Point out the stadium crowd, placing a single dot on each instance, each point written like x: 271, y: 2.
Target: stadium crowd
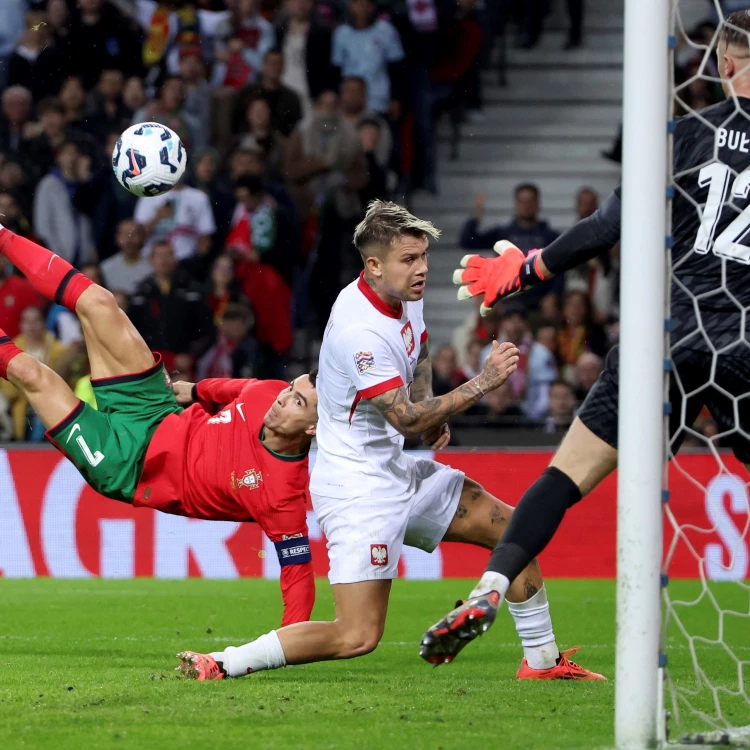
x: 295, y: 114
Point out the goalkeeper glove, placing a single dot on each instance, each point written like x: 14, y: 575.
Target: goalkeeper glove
x: 504, y: 276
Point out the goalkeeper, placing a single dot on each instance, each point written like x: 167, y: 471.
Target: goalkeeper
x: 709, y: 299
x: 238, y: 454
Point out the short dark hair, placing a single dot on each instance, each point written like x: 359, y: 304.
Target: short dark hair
x: 560, y: 381
x: 237, y: 311
x: 527, y: 186
x: 735, y: 30
x: 369, y: 122
x: 251, y: 182
x: 358, y: 79
x: 313, y: 375
x: 385, y: 222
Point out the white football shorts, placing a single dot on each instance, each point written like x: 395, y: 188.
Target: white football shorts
x: 365, y: 534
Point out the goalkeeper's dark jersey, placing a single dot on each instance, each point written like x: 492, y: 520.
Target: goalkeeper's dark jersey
x: 711, y: 222
x: 710, y: 226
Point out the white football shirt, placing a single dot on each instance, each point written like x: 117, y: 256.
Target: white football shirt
x: 368, y: 349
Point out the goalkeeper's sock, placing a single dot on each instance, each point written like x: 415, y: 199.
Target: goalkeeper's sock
x: 534, y: 522
x: 8, y: 350
x: 53, y: 277
x: 534, y: 628
x: 262, y: 653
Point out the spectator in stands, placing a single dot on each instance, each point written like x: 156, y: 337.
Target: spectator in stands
x: 370, y: 48
x: 286, y: 108
x: 446, y: 374
x: 183, y: 217
x: 324, y: 155
x: 242, y: 41
x: 13, y: 217
x: 370, y: 133
x: 16, y: 294
x: 36, y: 63
x: 262, y: 231
x: 259, y: 126
x: 562, y: 404
x: 58, y: 17
x: 588, y: 368
x: 11, y: 30
x: 107, y: 111
x: 72, y: 96
x: 472, y: 362
x: 222, y: 288
x: 305, y: 44
x: 58, y: 222
x: 169, y: 310
x: 502, y: 408
x: 248, y: 159
x: 542, y: 372
x: 354, y: 111
x: 16, y: 114
x: 233, y: 355
x: 126, y: 269
x: 204, y: 176
x: 35, y: 340
x: 134, y: 94
x: 579, y: 333
x: 514, y: 327
x: 197, y: 88
x: 101, y: 38
x: 14, y: 179
x: 168, y: 108
x: 526, y: 230
x: 50, y: 132
x: 595, y: 277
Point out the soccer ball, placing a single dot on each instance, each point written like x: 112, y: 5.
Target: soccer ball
x: 149, y: 159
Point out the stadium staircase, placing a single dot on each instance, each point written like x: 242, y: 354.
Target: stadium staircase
x: 548, y: 125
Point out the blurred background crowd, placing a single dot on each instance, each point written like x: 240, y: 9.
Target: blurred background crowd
x: 295, y: 114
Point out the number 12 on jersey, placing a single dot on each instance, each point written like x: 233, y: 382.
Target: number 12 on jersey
x: 728, y: 244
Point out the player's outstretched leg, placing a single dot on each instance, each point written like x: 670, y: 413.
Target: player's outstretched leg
x: 113, y: 344
x: 48, y: 394
x: 360, y: 618
x: 482, y: 519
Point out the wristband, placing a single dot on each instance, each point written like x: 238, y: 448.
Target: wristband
x: 194, y: 393
x: 531, y: 273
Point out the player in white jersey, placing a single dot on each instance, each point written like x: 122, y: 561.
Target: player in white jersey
x: 371, y: 498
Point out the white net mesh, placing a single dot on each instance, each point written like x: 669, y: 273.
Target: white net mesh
x: 706, y: 622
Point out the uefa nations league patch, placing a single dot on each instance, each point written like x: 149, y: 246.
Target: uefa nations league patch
x: 364, y: 361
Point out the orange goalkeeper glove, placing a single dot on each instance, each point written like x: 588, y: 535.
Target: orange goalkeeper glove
x: 494, y: 278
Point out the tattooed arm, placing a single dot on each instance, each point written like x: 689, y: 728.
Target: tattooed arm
x: 421, y: 387
x: 412, y: 419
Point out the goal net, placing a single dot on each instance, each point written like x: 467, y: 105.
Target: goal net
x: 705, y: 639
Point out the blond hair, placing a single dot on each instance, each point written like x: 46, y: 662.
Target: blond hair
x: 384, y: 223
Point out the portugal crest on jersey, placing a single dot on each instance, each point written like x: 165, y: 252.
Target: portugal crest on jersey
x: 251, y: 480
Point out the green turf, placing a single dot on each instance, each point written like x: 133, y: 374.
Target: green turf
x: 89, y: 664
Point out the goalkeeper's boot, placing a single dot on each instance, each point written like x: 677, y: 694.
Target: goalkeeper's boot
x: 444, y: 640
x: 565, y: 669
x: 196, y: 666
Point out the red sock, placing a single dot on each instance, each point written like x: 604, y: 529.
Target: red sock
x: 53, y: 277
x: 8, y: 350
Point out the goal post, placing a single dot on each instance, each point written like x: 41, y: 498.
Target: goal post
x: 641, y: 443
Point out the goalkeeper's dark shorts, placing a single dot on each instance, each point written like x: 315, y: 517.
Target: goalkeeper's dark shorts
x: 693, y: 384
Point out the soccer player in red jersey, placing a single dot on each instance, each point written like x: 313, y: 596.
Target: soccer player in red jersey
x: 239, y: 453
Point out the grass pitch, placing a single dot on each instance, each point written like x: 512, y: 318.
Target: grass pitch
x: 89, y: 664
